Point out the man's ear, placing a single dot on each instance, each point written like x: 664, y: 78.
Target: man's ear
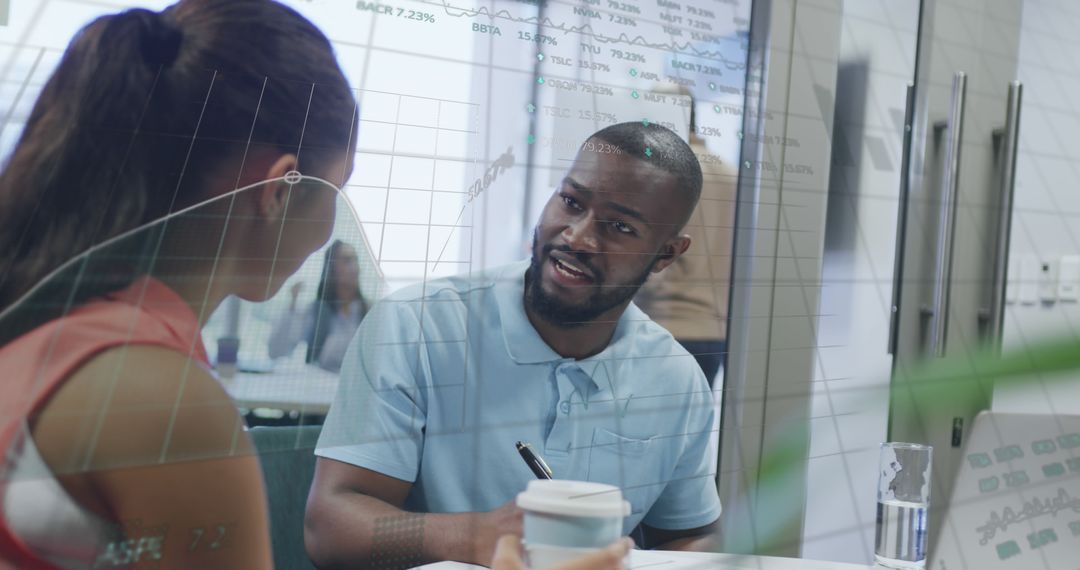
x: 273, y: 196
x: 671, y: 251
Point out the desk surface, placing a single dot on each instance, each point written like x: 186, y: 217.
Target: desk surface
x: 300, y: 387
x: 689, y: 560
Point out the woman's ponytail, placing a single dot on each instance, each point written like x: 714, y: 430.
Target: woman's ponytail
x: 142, y: 105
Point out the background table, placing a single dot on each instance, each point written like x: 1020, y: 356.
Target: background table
x: 301, y: 388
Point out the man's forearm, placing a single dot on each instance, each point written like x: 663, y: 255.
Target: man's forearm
x: 435, y: 536
x: 351, y: 529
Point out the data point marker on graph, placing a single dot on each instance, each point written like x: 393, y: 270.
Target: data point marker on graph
x: 633, y: 72
x: 712, y: 86
x: 634, y: 94
x: 648, y: 152
x: 531, y: 139
x: 540, y: 80
x: 716, y: 108
x: 739, y: 135
x: 645, y: 122
x: 531, y: 108
x: 540, y: 57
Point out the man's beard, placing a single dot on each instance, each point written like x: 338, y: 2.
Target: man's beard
x: 603, y: 298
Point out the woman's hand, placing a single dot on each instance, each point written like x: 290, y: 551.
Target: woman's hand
x: 508, y: 556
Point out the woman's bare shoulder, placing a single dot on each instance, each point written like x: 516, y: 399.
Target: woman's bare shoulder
x: 134, y: 406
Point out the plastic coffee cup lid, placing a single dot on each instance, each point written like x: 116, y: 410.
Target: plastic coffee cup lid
x: 573, y: 498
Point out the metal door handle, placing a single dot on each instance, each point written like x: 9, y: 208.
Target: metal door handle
x: 950, y: 185
x: 1008, y: 187
x: 901, y: 217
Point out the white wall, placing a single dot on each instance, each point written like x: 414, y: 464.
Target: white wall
x: 1046, y: 216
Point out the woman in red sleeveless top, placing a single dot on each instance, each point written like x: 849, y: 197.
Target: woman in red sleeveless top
x: 119, y: 446
x: 121, y: 231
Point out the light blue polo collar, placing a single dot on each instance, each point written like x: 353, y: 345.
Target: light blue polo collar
x: 524, y: 344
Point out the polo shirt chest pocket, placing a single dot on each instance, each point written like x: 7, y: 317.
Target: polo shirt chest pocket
x: 633, y: 465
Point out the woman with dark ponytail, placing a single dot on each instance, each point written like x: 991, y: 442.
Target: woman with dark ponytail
x: 122, y: 229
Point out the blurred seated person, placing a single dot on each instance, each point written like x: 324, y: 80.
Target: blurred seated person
x: 417, y: 454
x: 330, y: 322
x: 690, y: 298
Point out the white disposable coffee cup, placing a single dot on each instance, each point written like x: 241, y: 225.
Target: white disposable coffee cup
x: 564, y: 519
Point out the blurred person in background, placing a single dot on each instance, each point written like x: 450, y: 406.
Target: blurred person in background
x: 690, y: 297
x: 330, y: 322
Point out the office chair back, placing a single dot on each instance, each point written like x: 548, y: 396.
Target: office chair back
x: 287, y: 455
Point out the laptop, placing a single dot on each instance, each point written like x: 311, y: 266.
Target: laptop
x: 1016, y: 499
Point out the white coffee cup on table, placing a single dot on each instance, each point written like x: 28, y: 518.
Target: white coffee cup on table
x: 568, y: 519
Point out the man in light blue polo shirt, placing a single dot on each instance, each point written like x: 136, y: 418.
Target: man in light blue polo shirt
x: 417, y: 459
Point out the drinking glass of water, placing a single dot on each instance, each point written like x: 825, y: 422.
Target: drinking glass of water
x: 903, y: 499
